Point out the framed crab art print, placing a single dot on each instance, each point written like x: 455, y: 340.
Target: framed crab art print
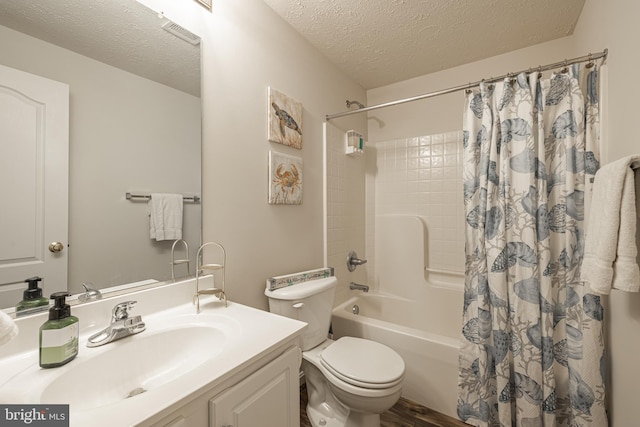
x: 285, y: 119
x: 285, y: 179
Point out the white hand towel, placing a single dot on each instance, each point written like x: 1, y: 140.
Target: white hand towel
x: 165, y: 216
x: 8, y: 328
x: 610, y: 247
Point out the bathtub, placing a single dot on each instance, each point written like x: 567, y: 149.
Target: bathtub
x: 425, y: 332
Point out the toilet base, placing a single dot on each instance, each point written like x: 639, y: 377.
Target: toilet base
x: 354, y: 419
x: 358, y: 419
x: 325, y: 409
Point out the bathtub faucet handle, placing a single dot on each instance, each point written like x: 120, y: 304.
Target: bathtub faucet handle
x: 353, y: 261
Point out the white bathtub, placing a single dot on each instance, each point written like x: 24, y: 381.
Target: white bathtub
x: 425, y: 333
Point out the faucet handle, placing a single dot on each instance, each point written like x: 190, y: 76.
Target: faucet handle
x: 121, y: 311
x: 353, y: 261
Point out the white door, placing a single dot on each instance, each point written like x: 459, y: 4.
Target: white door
x: 34, y: 183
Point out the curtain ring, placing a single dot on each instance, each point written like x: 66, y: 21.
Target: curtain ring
x: 539, y: 71
x: 565, y: 70
x: 590, y: 63
x: 468, y: 90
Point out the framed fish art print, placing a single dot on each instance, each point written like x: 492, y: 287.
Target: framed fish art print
x: 285, y: 119
x: 285, y: 179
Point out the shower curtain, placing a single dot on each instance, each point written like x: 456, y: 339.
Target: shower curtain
x: 532, y: 350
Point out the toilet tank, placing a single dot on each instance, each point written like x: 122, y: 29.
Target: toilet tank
x: 310, y: 302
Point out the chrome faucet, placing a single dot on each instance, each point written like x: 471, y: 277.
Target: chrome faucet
x: 90, y: 294
x: 357, y: 287
x: 121, y: 326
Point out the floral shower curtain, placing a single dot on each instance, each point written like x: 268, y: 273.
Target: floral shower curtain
x: 532, y: 351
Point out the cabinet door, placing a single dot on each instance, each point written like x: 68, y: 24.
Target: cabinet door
x: 269, y: 397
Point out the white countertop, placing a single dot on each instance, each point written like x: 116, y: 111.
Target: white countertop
x: 254, y: 333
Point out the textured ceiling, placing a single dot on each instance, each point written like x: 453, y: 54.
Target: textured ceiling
x: 379, y: 42
x: 121, y: 33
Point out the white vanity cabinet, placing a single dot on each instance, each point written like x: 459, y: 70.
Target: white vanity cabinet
x: 268, y: 397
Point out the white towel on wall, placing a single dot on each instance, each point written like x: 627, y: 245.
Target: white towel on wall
x: 165, y: 216
x: 8, y: 328
x: 610, y: 259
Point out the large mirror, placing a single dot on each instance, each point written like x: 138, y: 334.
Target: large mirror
x: 134, y: 127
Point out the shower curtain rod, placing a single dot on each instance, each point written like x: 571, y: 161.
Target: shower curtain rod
x: 566, y: 62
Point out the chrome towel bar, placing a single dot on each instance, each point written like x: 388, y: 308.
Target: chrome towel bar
x: 130, y: 196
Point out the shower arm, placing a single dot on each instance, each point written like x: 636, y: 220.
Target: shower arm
x: 357, y: 103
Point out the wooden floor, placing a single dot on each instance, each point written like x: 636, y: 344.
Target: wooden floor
x: 403, y: 414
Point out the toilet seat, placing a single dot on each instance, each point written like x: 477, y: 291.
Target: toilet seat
x: 350, y: 359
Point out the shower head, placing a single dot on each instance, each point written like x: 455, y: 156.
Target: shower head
x: 350, y: 103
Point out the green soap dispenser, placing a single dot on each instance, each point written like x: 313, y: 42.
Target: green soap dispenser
x: 32, y: 298
x: 59, y: 335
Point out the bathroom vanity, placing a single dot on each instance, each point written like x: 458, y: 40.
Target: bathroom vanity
x: 227, y: 366
x: 264, y: 398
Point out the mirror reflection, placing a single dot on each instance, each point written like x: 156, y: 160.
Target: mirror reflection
x: 134, y: 126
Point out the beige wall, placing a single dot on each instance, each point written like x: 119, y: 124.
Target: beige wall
x: 247, y: 48
x: 444, y: 113
x: 612, y: 25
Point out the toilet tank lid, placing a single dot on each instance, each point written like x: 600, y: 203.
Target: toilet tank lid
x: 302, y: 289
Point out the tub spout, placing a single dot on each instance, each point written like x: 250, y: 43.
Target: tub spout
x: 357, y: 287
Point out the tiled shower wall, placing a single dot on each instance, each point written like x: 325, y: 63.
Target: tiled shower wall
x: 345, y: 202
x: 421, y: 176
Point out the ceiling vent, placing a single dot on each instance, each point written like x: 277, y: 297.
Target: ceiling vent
x: 181, y: 32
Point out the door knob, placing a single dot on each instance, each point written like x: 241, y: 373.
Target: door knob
x: 56, y: 247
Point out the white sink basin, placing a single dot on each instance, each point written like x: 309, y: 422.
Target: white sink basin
x: 141, y: 379
x: 135, y: 365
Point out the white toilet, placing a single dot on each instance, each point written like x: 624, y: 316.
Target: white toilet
x: 351, y: 381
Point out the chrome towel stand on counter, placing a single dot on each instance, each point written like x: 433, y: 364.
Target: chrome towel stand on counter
x: 131, y: 196
x: 200, y: 269
x: 175, y: 261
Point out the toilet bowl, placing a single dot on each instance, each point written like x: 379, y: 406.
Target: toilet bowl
x: 364, y: 378
x: 349, y: 381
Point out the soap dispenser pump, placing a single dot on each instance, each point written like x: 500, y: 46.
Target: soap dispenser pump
x: 59, y: 335
x: 32, y: 298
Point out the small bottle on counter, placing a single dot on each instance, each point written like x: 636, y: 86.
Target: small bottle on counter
x: 59, y: 335
x: 32, y: 298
